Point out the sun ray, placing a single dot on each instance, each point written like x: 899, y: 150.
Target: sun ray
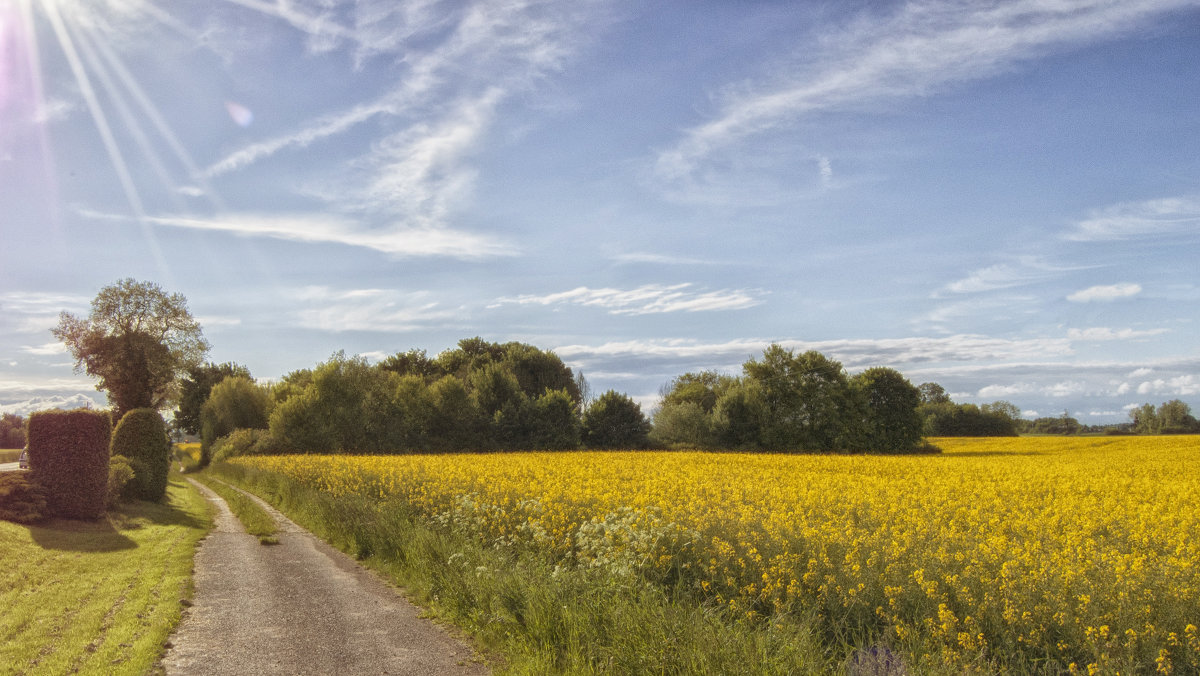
x: 85, y: 39
x: 66, y: 43
x: 150, y: 110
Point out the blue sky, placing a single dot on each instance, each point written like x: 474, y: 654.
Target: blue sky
x: 1000, y: 197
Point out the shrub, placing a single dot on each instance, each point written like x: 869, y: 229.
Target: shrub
x: 120, y: 473
x: 615, y: 421
x: 68, y: 453
x: 22, y: 499
x: 682, y: 424
x: 141, y: 436
x: 234, y: 403
x: 244, y: 442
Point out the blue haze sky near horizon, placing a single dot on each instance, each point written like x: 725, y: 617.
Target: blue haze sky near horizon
x: 1001, y: 197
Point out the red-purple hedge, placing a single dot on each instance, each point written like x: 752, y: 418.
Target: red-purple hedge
x: 68, y: 453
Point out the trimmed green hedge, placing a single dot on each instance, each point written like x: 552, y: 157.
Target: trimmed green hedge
x: 141, y: 436
x: 68, y: 453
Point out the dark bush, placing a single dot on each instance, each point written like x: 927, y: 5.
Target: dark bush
x: 141, y: 436
x: 21, y: 498
x: 615, y: 421
x: 68, y: 453
x: 120, y: 473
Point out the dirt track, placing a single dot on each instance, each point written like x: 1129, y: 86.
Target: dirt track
x: 300, y: 607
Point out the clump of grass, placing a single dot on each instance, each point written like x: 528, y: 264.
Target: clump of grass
x: 541, y: 617
x: 254, y: 518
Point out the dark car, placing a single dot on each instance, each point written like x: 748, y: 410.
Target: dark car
x: 24, y: 459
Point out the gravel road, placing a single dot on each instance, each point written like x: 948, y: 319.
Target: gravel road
x: 300, y: 607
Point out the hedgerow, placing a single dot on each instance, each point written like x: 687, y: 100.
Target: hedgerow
x: 68, y: 453
x: 141, y: 436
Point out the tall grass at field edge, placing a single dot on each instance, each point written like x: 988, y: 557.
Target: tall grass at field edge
x: 537, y: 617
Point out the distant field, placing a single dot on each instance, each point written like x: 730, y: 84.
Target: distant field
x: 1027, y: 554
x: 9, y: 454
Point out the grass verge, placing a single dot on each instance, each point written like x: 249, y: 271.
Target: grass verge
x: 98, y: 596
x: 254, y: 518
x: 541, y: 618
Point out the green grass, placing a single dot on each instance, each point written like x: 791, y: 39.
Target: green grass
x: 98, y: 597
x: 254, y: 518
x: 9, y: 454
x: 534, y: 617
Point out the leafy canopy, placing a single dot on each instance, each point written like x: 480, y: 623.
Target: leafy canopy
x: 137, y: 340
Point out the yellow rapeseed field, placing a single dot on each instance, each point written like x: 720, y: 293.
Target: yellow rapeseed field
x: 1034, y: 554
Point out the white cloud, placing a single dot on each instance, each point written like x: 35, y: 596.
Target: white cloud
x: 28, y: 406
x: 647, y: 299
x: 1129, y: 220
x: 916, y: 50
x: 658, y: 259
x: 45, y: 350
x: 1025, y: 270
x: 1181, y: 386
x: 1105, y: 293
x: 1141, y: 372
x: 216, y: 320
x: 1098, y: 333
x: 370, y: 310
x: 398, y: 241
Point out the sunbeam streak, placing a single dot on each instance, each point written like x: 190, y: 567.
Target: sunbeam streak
x: 65, y: 41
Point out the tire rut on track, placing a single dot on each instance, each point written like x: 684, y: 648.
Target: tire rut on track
x: 300, y: 607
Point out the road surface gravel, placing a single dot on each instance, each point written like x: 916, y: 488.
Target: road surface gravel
x: 300, y: 607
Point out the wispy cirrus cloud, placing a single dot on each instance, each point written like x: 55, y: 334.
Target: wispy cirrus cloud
x: 456, y: 65
x: 1130, y: 220
x: 398, y: 241
x: 1104, y: 334
x: 1105, y: 292
x: 643, y: 300
x: 914, y: 51
x: 369, y: 310
x: 1025, y: 270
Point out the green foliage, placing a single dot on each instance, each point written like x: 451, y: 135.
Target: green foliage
x: 1063, y: 424
x: 682, y: 424
x: 136, y: 340
x: 245, y: 442
x: 1171, y: 417
x: 234, y: 403
x: 195, y: 389
x: 454, y: 423
x: 22, y: 498
x: 413, y: 363
x: 739, y: 415
x: 702, y: 389
x: 68, y: 453
x: 892, y: 424
x: 141, y: 436
x: 932, y: 393
x: 120, y: 474
x: 807, y: 401
x: 615, y: 421
x: 965, y: 420
x: 12, y: 431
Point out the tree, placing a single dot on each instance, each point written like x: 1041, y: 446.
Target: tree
x: 1175, y: 417
x: 892, y: 421
x: 807, y: 401
x: 137, y: 340
x: 195, y: 388
x: 932, y: 393
x: 234, y: 403
x: 615, y: 421
x: 12, y: 431
x: 1144, y: 419
x: 702, y: 389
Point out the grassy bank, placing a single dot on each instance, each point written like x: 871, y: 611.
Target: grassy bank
x: 98, y: 597
x: 538, y: 616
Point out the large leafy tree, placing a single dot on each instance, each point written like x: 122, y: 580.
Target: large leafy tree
x: 137, y: 340
x: 195, y: 388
